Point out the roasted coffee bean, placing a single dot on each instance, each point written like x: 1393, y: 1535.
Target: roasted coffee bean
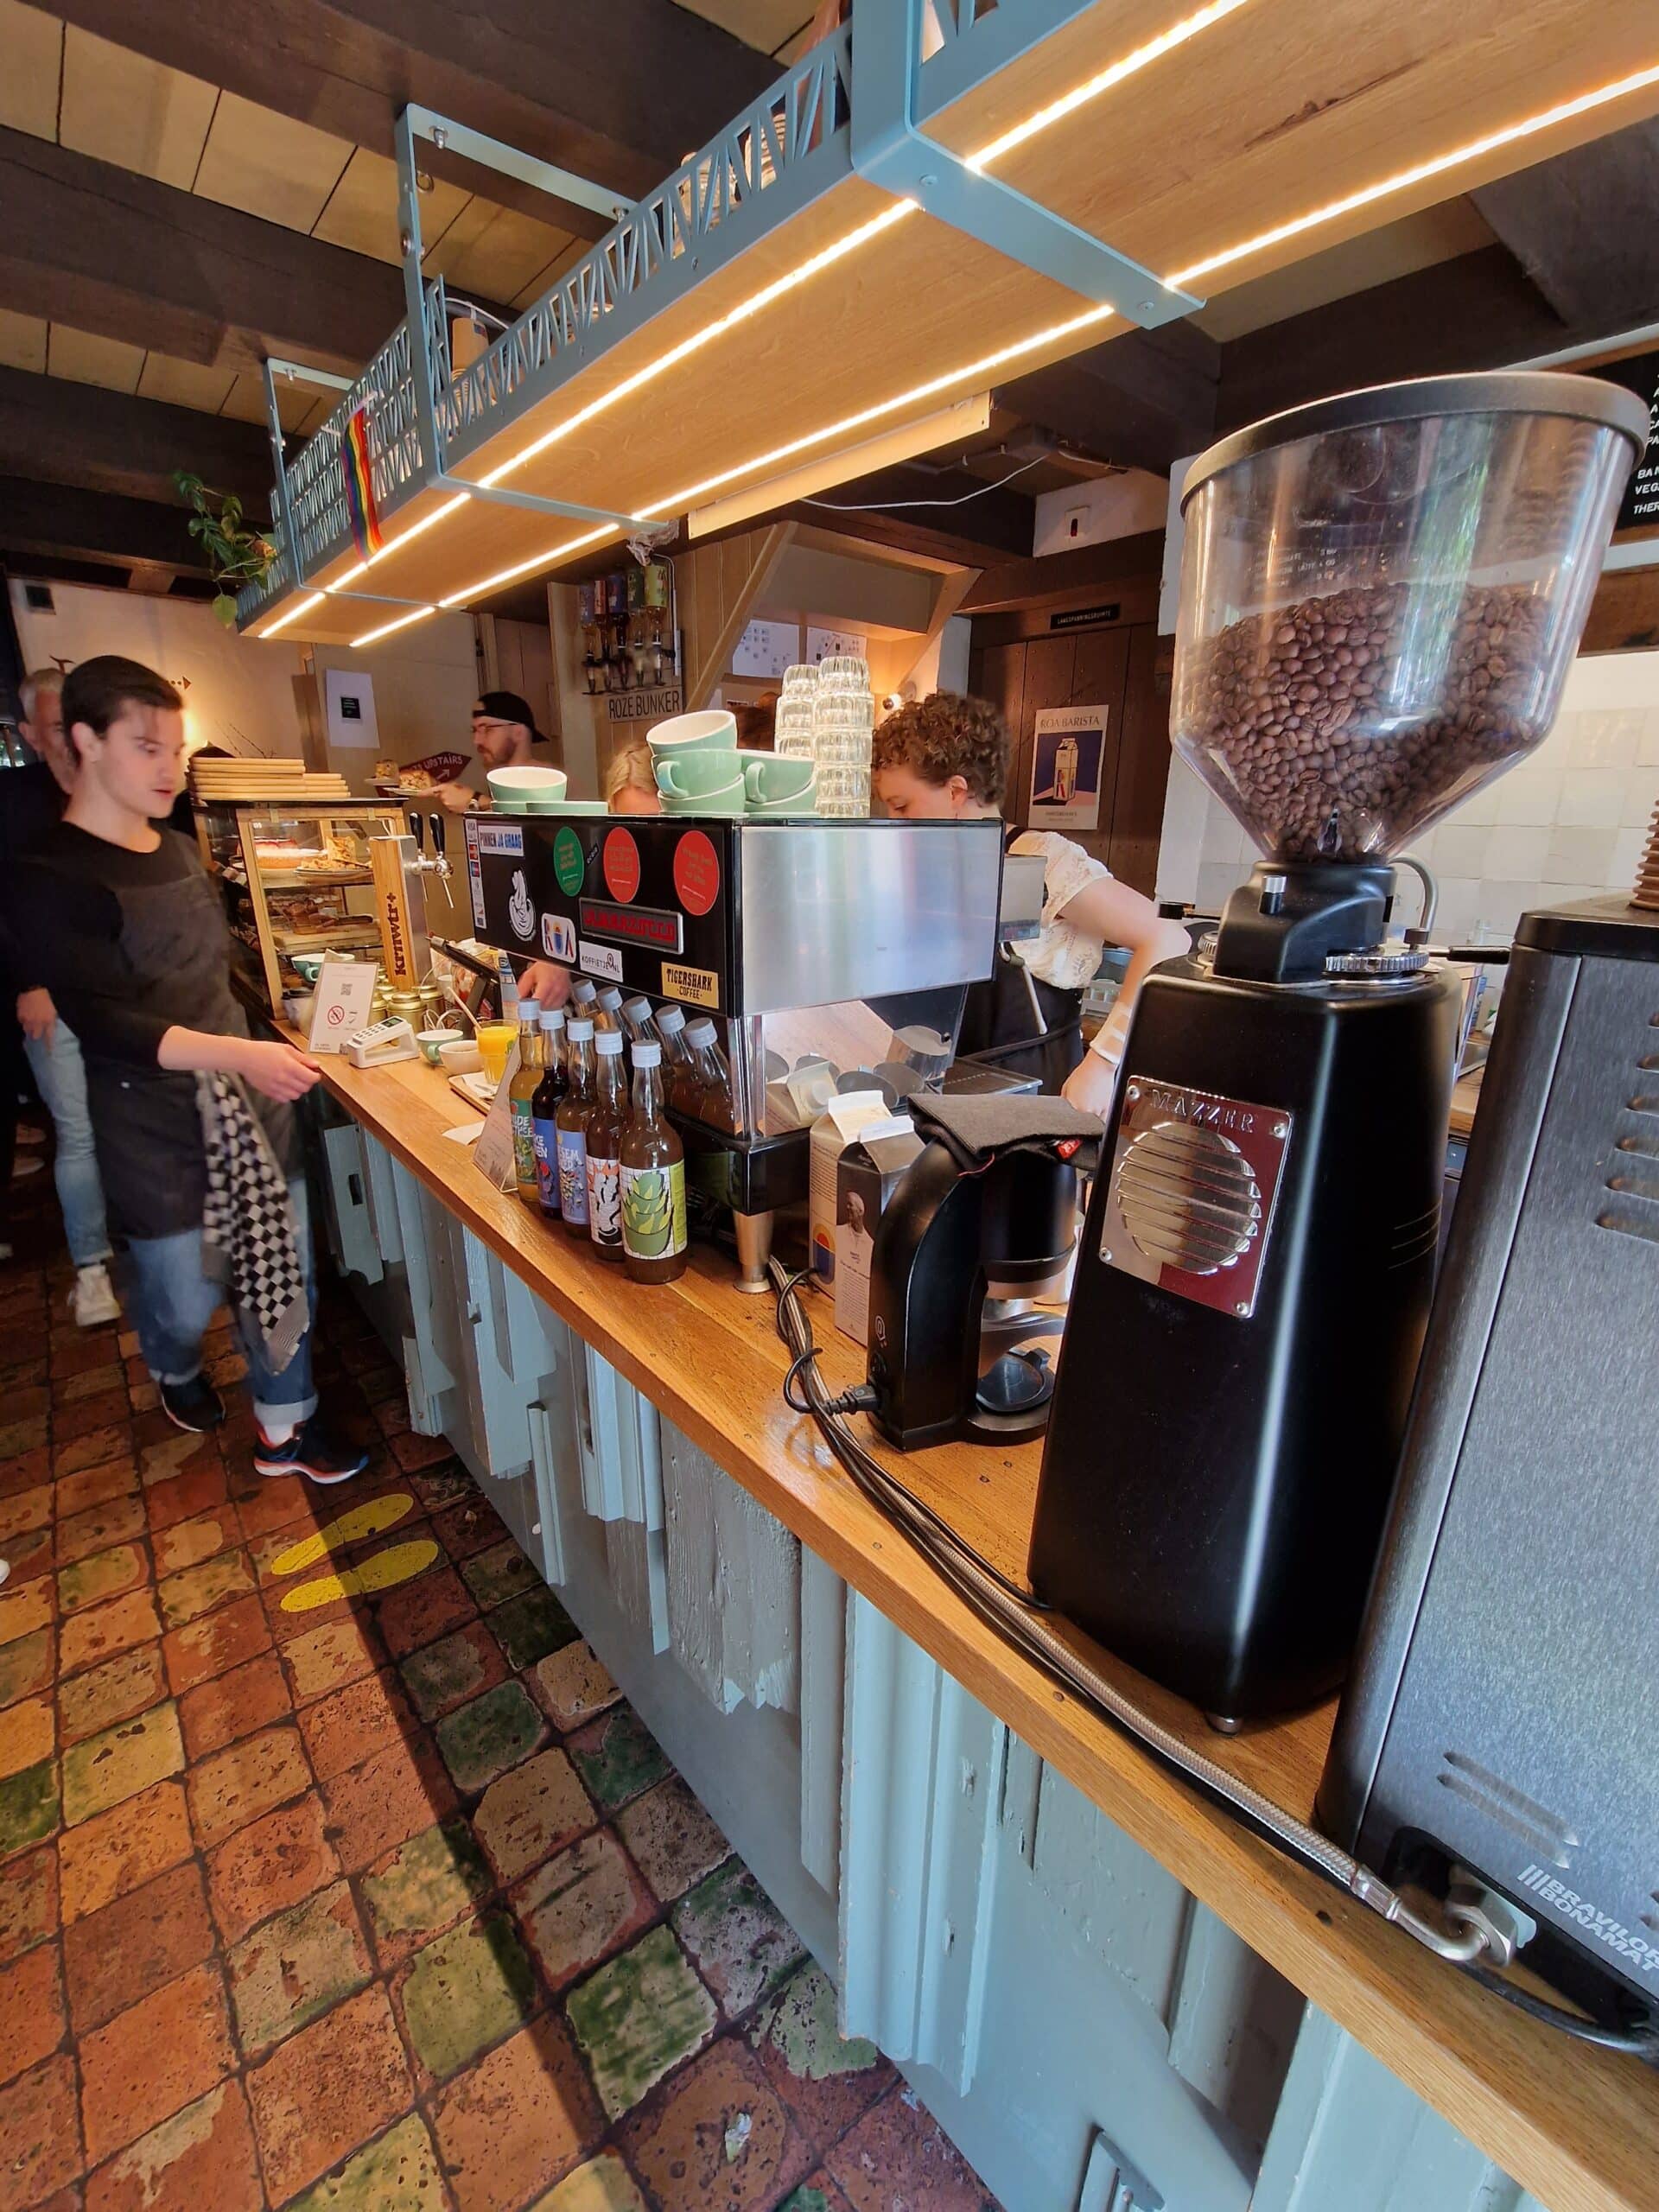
x: 1313, y: 716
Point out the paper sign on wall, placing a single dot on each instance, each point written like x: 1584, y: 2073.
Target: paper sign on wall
x: 824, y: 644
x: 767, y: 649
x: 349, y: 706
x: 341, y: 1004
x: 1066, y: 756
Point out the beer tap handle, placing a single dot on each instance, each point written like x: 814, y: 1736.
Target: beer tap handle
x: 440, y: 841
x: 416, y: 829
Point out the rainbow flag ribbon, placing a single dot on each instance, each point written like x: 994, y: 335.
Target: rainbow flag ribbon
x: 360, y: 486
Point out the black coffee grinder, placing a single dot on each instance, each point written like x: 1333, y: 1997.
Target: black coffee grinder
x: 982, y: 1224
x: 1380, y: 597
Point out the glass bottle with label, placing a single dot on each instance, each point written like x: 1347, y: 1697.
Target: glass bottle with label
x: 608, y: 1010
x: 711, y: 1076
x: 570, y: 1119
x: 653, y: 1178
x: 520, y: 1093
x: 544, y: 1108
x: 606, y: 1118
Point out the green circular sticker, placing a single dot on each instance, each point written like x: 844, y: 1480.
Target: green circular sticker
x: 570, y: 865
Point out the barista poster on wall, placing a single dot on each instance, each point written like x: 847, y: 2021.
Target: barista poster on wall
x: 1066, y: 756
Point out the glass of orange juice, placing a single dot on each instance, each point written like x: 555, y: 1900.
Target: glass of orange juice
x: 495, y: 1040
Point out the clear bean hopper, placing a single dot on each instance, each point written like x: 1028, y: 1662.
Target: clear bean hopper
x: 1378, y: 606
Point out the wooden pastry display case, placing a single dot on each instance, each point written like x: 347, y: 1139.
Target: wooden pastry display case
x: 297, y: 880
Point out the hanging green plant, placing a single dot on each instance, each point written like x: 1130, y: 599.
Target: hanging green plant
x: 236, y: 555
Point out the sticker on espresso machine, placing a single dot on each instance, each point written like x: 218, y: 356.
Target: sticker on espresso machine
x: 1190, y: 1192
x: 690, y: 986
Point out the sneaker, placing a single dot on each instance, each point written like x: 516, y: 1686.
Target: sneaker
x: 5, y: 1568
x: 195, y: 1405
x: 94, y: 1300
x: 311, y: 1451
x: 26, y: 1135
x: 22, y: 1168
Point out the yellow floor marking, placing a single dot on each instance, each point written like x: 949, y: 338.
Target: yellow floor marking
x: 380, y: 1570
x: 366, y: 1520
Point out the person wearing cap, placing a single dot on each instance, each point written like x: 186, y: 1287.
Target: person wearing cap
x: 504, y: 730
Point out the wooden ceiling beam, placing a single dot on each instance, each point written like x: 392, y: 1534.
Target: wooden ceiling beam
x: 44, y: 519
x: 97, y: 247
x: 1479, y: 311
x: 1141, y: 398
x: 107, y: 441
x: 1582, y: 226
x: 616, y: 90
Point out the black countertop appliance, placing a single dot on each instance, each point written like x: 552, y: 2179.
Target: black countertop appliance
x: 1380, y: 597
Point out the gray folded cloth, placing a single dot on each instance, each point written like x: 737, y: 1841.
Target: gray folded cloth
x: 977, y: 1130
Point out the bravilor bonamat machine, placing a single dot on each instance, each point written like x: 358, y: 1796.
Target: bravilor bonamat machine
x: 1499, y: 1717
x: 1380, y: 597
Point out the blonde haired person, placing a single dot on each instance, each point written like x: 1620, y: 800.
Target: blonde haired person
x: 630, y: 786
x: 947, y: 757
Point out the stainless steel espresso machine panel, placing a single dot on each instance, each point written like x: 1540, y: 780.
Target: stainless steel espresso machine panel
x: 1500, y: 1715
x: 1190, y: 1191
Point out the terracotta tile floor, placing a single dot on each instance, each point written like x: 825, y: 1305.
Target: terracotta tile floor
x: 389, y: 1903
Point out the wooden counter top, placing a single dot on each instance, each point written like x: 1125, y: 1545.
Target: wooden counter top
x: 1577, y: 2127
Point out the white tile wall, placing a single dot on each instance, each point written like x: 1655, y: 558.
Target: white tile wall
x: 1568, y: 823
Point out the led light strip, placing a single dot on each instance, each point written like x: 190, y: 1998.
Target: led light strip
x: 1333, y: 211
x: 1402, y: 180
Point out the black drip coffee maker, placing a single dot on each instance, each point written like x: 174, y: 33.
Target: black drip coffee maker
x: 1380, y: 597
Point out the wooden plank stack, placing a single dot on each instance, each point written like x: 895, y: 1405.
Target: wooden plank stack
x: 220, y: 781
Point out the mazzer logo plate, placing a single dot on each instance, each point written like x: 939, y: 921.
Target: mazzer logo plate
x: 1190, y: 1201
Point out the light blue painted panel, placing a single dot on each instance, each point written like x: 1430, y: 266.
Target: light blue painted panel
x: 1351, y: 2137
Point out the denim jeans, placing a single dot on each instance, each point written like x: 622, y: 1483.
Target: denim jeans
x: 172, y: 1300
x: 60, y: 1078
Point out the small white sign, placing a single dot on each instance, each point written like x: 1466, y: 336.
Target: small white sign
x: 493, y: 1151
x: 830, y: 645
x: 604, y: 960
x: 767, y: 649
x: 1067, y: 764
x: 345, y: 994
x: 349, y: 709
x: 499, y: 838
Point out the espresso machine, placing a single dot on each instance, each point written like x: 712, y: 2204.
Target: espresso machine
x: 1381, y: 594
x: 1499, y: 1719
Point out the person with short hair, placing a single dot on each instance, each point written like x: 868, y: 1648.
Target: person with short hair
x: 631, y: 783
x: 195, y: 1134
x: 32, y: 801
x: 945, y: 758
x: 503, y: 731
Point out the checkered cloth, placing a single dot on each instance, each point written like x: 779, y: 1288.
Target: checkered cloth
x: 249, y: 1238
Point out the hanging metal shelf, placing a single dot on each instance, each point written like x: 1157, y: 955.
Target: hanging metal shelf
x: 880, y: 235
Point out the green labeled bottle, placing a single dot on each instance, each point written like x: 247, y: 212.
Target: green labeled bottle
x: 653, y: 1179
x: 521, y: 1093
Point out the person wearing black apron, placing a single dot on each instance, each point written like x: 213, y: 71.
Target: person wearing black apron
x: 945, y: 758
x: 192, y: 1116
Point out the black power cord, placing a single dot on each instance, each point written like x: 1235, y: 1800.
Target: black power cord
x: 967, y: 1572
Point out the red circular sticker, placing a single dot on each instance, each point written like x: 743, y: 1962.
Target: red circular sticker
x: 621, y: 862
x: 697, y: 872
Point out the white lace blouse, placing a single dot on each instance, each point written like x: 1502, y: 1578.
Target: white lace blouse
x: 1061, y: 954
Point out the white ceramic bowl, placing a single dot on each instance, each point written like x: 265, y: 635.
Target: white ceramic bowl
x: 714, y: 726
x: 461, y: 1058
